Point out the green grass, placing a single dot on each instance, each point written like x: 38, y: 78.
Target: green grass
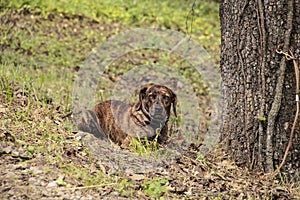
x: 42, y: 44
x: 143, y: 147
x: 156, y: 187
x: 202, y: 22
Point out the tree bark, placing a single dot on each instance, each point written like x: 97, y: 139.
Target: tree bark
x: 259, y: 83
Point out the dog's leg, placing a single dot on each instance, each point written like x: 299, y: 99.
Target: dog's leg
x: 163, y: 135
x: 86, y: 121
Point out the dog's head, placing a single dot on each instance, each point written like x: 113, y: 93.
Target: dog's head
x: 155, y: 101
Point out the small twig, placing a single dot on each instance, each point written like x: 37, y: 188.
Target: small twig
x: 86, y: 187
x: 68, y: 114
x: 192, y: 14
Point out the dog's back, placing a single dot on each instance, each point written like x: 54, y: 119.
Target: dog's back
x: 109, y: 114
x: 119, y: 124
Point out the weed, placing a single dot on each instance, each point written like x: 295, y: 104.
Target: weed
x: 143, y: 146
x: 200, y: 157
x: 125, y: 187
x: 156, y: 187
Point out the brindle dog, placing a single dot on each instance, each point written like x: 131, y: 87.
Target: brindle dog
x: 147, y: 118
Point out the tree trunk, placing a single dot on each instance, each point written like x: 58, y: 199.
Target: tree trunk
x: 259, y: 83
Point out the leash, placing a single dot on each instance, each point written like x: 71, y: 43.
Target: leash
x: 290, y: 56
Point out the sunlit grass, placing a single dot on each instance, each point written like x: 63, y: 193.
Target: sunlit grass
x: 200, y: 21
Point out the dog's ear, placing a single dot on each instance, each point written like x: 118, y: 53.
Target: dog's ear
x: 142, y: 95
x: 174, y: 102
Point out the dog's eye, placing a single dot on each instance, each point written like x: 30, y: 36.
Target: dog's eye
x: 152, y: 96
x: 166, y: 98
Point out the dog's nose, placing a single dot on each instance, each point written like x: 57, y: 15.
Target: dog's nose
x: 158, y: 108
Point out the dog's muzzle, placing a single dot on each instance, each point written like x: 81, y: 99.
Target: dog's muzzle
x: 158, y: 116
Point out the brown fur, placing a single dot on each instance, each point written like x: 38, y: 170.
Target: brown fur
x: 147, y: 118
